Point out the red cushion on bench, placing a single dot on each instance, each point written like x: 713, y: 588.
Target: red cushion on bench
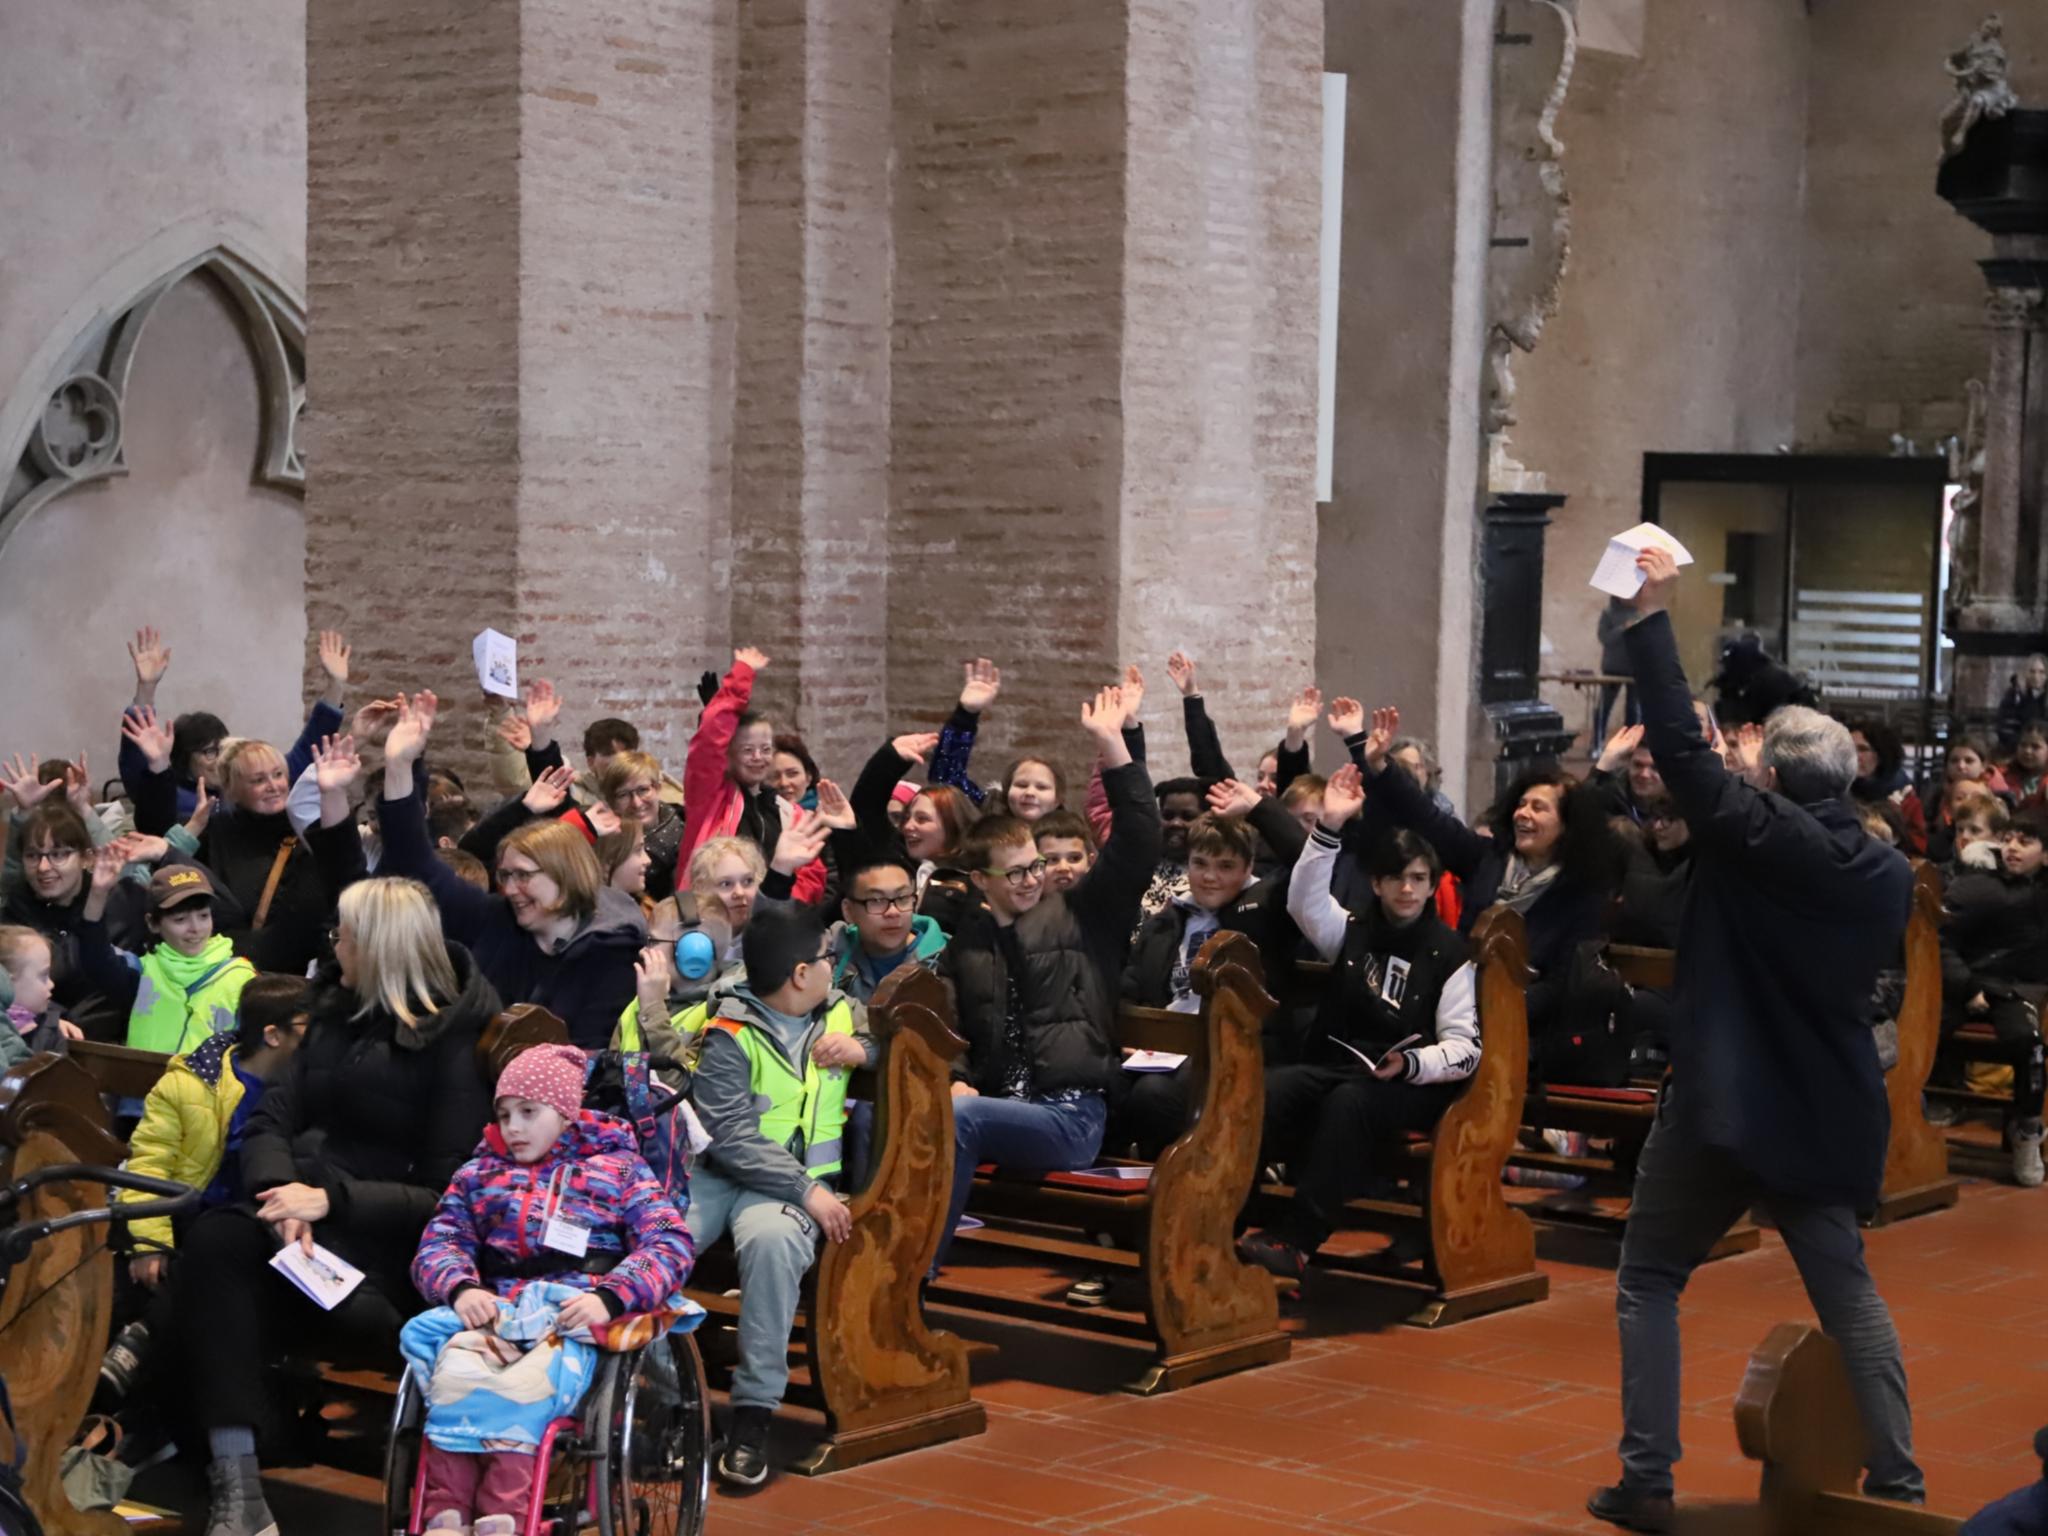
x: 1977, y: 1034
x: 1644, y: 1096
x: 1097, y: 1183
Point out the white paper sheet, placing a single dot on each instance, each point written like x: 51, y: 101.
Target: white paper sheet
x: 325, y: 1277
x: 497, y: 663
x: 1152, y: 1061
x: 1616, y: 574
x: 1371, y: 1065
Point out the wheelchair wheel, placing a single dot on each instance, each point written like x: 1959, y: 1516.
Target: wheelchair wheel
x: 402, y: 1454
x: 652, y: 1418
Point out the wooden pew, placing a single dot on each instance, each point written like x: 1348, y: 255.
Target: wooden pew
x: 885, y: 1379
x: 1916, y: 1176
x: 1204, y: 1312
x: 1796, y: 1414
x: 121, y: 1071
x: 1480, y: 1254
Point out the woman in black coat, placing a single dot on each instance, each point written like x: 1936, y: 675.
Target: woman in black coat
x: 350, y: 1150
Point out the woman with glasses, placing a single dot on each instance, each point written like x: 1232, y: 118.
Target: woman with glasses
x: 728, y: 778
x: 49, y: 895
x: 630, y: 785
x: 553, y: 933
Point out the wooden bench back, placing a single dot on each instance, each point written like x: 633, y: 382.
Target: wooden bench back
x: 1654, y: 970
x: 120, y: 1070
x: 1918, y: 1154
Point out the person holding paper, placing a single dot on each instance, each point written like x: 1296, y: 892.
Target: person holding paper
x: 1776, y: 1096
x: 351, y: 1147
x: 1395, y: 1035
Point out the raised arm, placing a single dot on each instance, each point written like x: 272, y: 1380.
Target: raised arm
x: 155, y: 794
x: 704, y: 764
x: 1404, y: 803
x: 982, y: 683
x: 1111, y: 891
x: 1205, y: 747
x: 1318, y: 914
x: 408, y: 850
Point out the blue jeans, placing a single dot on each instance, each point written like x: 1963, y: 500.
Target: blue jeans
x: 1028, y: 1135
x: 1686, y: 1196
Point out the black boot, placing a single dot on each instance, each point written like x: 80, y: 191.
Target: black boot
x: 744, y: 1461
x: 1633, y: 1509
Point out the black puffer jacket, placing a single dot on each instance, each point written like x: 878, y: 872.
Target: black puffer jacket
x: 1995, y: 932
x: 378, y: 1115
x: 1072, y: 948
x: 1260, y: 913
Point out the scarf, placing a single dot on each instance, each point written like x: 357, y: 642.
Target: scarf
x: 183, y: 1000
x: 1521, y: 886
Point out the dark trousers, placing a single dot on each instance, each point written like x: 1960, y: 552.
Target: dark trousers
x: 236, y: 1317
x: 2017, y: 1023
x: 1149, y: 1111
x: 1335, y: 1128
x: 1630, y: 714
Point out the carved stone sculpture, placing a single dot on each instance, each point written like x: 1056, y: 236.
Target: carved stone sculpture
x: 1534, y: 55
x: 1966, y: 472
x: 1979, y: 71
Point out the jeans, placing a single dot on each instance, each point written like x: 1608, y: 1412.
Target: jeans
x: 1029, y: 1135
x: 776, y: 1242
x: 1686, y: 1197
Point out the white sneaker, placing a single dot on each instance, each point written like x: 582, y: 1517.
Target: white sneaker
x: 2026, y: 1154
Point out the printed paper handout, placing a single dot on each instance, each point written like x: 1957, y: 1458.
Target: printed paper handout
x: 1370, y: 1064
x: 325, y: 1277
x: 1152, y: 1061
x: 497, y: 663
x: 1616, y: 574
x: 1131, y: 1171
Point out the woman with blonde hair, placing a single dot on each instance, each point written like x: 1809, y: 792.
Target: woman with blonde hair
x: 630, y: 784
x: 349, y: 1150
x: 553, y: 933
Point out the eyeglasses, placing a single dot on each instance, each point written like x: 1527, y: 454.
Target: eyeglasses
x: 875, y: 906
x: 1022, y: 875
x: 757, y: 753
x: 517, y: 876
x: 56, y: 858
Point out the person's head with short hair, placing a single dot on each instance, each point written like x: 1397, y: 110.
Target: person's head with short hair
x: 603, y: 739
x: 179, y: 909
x: 1977, y: 815
x: 271, y: 1018
x: 27, y: 958
x: 2030, y: 751
x: 1031, y: 787
x: 2034, y: 675
x: 622, y: 858
x: 1268, y: 781
x: 729, y: 871
x: 1879, y: 751
x: 1404, y: 870
x: 1219, y: 853
x: 789, y: 963
x: 1644, y: 781
x: 468, y: 868
x: 1181, y: 802
x: 255, y: 778
x: 937, y: 819
x: 630, y: 783
x: 391, y: 951
x: 443, y: 784
x: 1067, y: 843
x: 549, y: 876
x: 1808, y: 756
x: 1004, y: 864
x: 56, y: 851
x: 1663, y: 824
x: 880, y: 904
x: 751, y: 757
x: 196, y: 740
x: 795, y: 771
x: 1969, y: 760
x: 1303, y: 799
x: 1414, y: 754
x: 450, y: 821
x: 2024, y: 849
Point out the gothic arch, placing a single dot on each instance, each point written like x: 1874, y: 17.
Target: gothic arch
x: 64, y: 427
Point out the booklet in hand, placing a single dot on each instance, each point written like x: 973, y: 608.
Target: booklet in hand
x: 1370, y: 1064
x: 1616, y: 574
x: 1152, y: 1061
x: 325, y: 1277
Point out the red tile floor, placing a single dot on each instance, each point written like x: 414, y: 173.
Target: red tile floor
x: 1497, y: 1425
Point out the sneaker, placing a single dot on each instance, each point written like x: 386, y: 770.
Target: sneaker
x: 449, y: 1522
x: 1090, y: 1292
x: 1633, y: 1509
x: 1272, y: 1254
x: 2026, y: 1154
x: 497, y: 1525
x: 235, y: 1504
x: 744, y: 1461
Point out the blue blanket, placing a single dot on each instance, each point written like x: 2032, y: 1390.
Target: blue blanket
x: 478, y: 1405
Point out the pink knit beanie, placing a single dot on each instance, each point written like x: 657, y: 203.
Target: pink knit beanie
x: 547, y: 1074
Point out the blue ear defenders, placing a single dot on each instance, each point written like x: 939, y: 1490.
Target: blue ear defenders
x: 695, y: 955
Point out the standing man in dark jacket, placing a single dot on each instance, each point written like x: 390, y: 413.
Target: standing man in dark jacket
x: 1776, y: 1095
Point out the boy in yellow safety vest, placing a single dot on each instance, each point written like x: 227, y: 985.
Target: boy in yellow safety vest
x: 773, y: 1059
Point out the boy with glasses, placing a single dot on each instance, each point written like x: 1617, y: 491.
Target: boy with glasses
x: 881, y: 929
x: 1036, y: 978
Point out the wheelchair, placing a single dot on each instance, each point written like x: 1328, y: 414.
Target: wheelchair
x: 634, y: 1460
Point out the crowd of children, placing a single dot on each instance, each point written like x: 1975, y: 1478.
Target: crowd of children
x: 315, y: 948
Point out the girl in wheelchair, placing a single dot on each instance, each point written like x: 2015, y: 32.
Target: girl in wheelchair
x: 554, y: 1230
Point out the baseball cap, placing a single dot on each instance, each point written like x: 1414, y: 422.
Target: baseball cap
x: 174, y: 885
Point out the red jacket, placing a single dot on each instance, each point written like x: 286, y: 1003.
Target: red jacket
x: 715, y: 806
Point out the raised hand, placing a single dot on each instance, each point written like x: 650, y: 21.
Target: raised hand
x: 202, y: 812
x: 1660, y: 580
x: 653, y: 973
x: 516, y: 733
x: 800, y: 841
x: 917, y: 746
x: 408, y: 738
x: 334, y: 654
x: 1302, y: 713
x: 1386, y: 725
x: 746, y: 655
x: 335, y: 763
x: 20, y: 780
x: 1620, y: 746
x: 604, y: 821
x: 107, y: 864
x: 1747, y: 744
x: 1346, y: 717
x: 1227, y: 797
x: 543, y: 709
x: 1181, y: 668
x: 141, y: 848
x: 833, y: 807
x: 983, y: 680
x: 1134, y: 691
x: 78, y: 784
x: 548, y: 791
x: 152, y: 658
x: 1104, y: 717
x: 1343, y: 796
x: 374, y: 720
x: 151, y: 737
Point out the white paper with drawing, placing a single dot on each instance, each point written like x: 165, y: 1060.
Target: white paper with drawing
x: 1616, y: 574
x: 497, y: 663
